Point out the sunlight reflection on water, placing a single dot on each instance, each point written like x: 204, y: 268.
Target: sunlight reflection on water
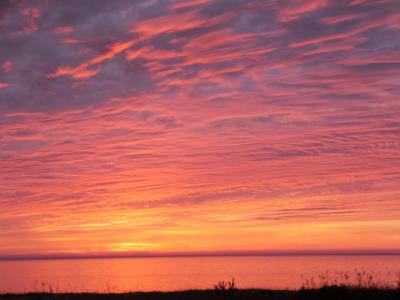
x: 179, y: 273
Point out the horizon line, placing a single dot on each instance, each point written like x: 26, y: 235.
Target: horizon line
x: 105, y: 255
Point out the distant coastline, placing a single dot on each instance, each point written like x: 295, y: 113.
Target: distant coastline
x: 50, y: 256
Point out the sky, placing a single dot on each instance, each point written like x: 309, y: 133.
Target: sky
x: 164, y: 126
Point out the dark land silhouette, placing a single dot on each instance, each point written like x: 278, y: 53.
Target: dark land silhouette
x: 329, y: 293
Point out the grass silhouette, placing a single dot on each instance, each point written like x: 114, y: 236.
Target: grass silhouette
x: 225, y: 287
x: 357, y: 279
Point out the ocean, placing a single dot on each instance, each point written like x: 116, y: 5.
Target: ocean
x: 181, y: 273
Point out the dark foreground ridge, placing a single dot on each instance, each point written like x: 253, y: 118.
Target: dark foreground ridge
x: 329, y: 293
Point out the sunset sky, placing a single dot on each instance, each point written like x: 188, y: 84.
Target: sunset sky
x: 162, y: 126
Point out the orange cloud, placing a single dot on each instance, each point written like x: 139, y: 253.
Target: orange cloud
x: 184, y: 21
x: 177, y: 5
x: 83, y: 71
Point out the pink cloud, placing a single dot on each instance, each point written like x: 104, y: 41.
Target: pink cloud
x: 4, y: 85
x: 85, y: 70
x: 64, y: 29
x: 293, y: 9
x: 32, y: 16
x: 6, y: 66
x: 199, y: 117
x: 339, y: 19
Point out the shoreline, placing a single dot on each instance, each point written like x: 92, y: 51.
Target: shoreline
x: 328, y: 292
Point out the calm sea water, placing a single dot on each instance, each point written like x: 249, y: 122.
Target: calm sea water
x: 145, y: 274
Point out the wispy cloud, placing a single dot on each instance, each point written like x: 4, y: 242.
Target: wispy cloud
x: 175, y: 121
